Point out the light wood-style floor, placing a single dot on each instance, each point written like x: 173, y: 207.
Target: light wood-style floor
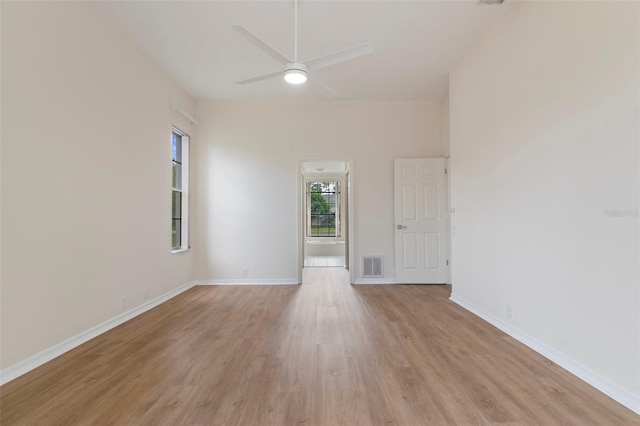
x: 324, y: 353
x: 323, y: 261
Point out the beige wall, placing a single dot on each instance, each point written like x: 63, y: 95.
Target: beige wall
x: 544, y: 140
x: 247, y: 161
x: 445, y: 144
x: 85, y: 175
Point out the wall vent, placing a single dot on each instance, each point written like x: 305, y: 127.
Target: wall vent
x: 372, y: 267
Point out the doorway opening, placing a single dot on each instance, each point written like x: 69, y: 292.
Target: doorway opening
x: 324, y: 214
x: 323, y: 231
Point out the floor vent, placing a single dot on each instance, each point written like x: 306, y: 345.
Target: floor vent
x: 372, y: 267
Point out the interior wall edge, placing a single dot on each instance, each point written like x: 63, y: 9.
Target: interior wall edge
x: 20, y: 368
x: 624, y: 396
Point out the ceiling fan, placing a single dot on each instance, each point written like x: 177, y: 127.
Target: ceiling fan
x: 295, y: 72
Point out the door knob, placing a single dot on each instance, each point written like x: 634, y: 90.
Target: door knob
x: 400, y: 227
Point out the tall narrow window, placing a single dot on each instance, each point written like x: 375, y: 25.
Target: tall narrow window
x: 323, y: 201
x: 180, y: 191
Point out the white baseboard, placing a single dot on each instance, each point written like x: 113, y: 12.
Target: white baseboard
x: 374, y: 281
x: 245, y: 281
x: 18, y: 369
x: 618, y: 393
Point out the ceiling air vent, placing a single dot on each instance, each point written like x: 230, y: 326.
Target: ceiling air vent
x: 491, y: 1
x: 372, y: 267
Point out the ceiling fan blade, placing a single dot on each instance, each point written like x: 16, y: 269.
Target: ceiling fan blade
x: 341, y: 56
x: 260, y: 44
x: 260, y: 78
x: 320, y: 86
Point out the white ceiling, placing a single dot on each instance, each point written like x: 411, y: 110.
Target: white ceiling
x: 416, y: 43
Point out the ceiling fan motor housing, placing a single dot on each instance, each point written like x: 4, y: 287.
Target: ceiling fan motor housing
x: 295, y: 73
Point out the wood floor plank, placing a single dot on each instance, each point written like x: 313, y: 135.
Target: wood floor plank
x: 323, y: 353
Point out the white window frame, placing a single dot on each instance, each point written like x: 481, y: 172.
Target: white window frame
x: 184, y: 205
x: 312, y: 177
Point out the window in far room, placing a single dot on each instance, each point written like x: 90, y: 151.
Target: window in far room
x: 323, y: 201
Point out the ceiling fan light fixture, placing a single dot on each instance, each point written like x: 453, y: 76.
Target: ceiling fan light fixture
x: 295, y: 74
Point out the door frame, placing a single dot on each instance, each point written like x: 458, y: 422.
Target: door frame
x: 447, y: 215
x: 302, y: 213
x: 447, y: 181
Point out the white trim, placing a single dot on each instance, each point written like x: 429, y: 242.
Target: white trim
x: 184, y: 114
x: 180, y: 250
x: 22, y: 367
x: 269, y: 281
x: 447, y: 181
x: 374, y: 281
x: 624, y: 396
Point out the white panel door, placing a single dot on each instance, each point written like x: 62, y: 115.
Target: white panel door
x: 421, y: 221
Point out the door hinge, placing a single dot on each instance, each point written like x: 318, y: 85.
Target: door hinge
x: 445, y: 171
x: 447, y: 262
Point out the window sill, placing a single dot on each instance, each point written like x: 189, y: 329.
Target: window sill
x: 324, y: 240
x: 180, y: 250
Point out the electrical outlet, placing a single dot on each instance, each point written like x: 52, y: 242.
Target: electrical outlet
x: 146, y: 294
x: 245, y: 272
x: 509, y: 311
x: 123, y: 302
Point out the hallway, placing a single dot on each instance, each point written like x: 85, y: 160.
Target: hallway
x: 323, y: 261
